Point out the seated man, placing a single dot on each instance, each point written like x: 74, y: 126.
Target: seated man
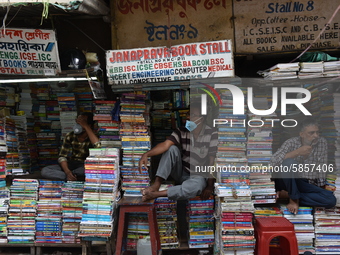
x: 186, y: 148
x: 303, y: 174
x: 74, y: 151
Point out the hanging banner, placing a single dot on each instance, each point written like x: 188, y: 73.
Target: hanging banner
x: 181, y: 62
x: 28, y: 52
x: 279, y: 25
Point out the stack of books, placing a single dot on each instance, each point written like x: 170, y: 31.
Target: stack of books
x: 108, y: 129
x: 167, y: 222
x: 331, y: 69
x: 4, y: 204
x: 22, y: 211
x: 13, y: 165
x: 21, y: 133
x: 303, y: 226
x: 26, y: 102
x: 49, y: 212
x: 327, y: 230
x: 68, y: 112
x: 100, y: 194
x: 201, y: 222
x: 281, y: 71
x: 259, y: 152
x: 234, y: 227
x: 83, y: 93
x: 72, y: 206
x: 138, y: 228
x: 48, y: 148
x: 135, y: 142
x: 310, y: 70
x: 267, y: 211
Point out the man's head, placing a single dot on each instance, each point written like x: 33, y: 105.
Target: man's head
x: 88, y: 116
x: 309, y: 131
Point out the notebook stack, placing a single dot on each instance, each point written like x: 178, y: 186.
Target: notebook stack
x: 303, y: 226
x: 72, y: 206
x: 49, y: 212
x: 135, y: 142
x: 201, y: 222
x: 100, y: 194
x: 22, y: 211
x: 327, y: 230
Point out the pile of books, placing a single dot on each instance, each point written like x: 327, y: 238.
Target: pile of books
x: 49, y: 212
x: 108, y: 129
x: 13, y: 165
x: 68, y: 112
x: 310, y: 70
x: 21, y: 134
x: 4, y: 204
x: 135, y: 142
x: 281, y: 71
x: 201, y: 222
x: 138, y: 228
x: 259, y: 152
x: 22, y: 211
x: 72, y: 208
x: 303, y: 226
x: 234, y: 227
x: 331, y: 69
x: 166, y: 211
x: 100, y: 194
x: 327, y: 230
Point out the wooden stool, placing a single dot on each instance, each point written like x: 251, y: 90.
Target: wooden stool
x: 136, y: 205
x: 268, y: 228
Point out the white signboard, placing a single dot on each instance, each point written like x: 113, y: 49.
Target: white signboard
x: 180, y: 62
x: 28, y: 52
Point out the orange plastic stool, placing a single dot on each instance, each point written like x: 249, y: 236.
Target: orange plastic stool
x: 268, y: 228
x: 135, y: 205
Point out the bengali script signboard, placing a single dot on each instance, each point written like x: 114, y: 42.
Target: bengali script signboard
x: 181, y: 62
x: 149, y: 23
x: 28, y: 52
x: 263, y: 26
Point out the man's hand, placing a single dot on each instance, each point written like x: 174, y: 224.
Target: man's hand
x: 70, y: 176
x: 143, y: 162
x: 207, y: 192
x: 305, y: 150
x: 82, y: 121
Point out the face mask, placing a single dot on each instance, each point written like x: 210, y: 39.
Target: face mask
x: 77, y: 129
x: 191, y: 125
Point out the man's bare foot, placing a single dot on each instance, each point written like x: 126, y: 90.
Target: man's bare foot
x: 148, y: 195
x: 293, y: 205
x: 149, y: 189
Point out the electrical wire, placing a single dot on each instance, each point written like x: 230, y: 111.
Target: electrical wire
x: 4, y: 19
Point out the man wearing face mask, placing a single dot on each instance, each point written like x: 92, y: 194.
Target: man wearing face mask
x: 305, y: 161
x: 187, y: 147
x: 74, y: 151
